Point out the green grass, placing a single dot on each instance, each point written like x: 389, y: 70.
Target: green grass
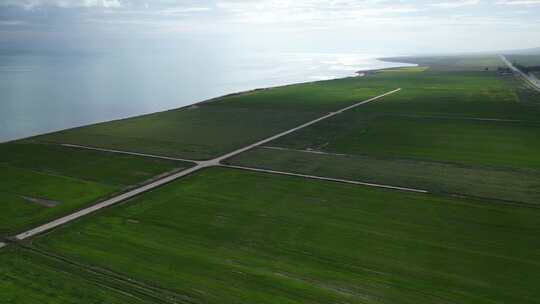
x: 458, y: 94
x: 70, y: 177
x: 17, y: 213
x: 213, y: 128
x: 229, y: 236
x: 103, y: 167
x: 467, y: 142
x: 428, y: 136
x: 436, y: 177
x: 210, y: 129
x: 525, y: 94
x: 27, y: 278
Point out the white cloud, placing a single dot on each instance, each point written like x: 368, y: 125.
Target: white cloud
x: 456, y: 3
x: 29, y: 4
x: 279, y: 11
x: 308, y: 21
x: 519, y: 2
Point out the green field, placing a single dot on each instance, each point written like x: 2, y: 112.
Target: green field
x: 29, y: 278
x: 437, y: 177
x: 41, y: 182
x: 460, y: 141
x: 458, y: 94
x: 457, y: 129
x: 210, y: 129
x: 228, y: 236
x: 461, y: 132
x: 213, y: 128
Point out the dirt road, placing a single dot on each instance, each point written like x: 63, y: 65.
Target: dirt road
x: 533, y: 81
x: 199, y: 165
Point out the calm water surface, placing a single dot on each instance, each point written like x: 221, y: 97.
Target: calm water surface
x: 44, y: 93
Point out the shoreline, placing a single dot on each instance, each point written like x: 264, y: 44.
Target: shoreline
x: 218, y: 98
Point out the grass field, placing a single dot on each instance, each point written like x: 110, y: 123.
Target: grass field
x: 210, y: 129
x: 436, y: 177
x: 448, y: 131
x: 458, y: 94
x: 228, y: 236
x: 41, y: 182
x: 460, y: 141
x: 457, y: 129
x: 28, y: 278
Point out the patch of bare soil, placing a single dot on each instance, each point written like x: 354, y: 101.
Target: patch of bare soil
x: 41, y: 201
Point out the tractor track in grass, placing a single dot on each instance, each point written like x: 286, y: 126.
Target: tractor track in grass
x: 330, y: 179
x: 112, y: 280
x: 199, y: 165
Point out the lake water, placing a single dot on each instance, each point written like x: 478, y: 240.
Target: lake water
x: 44, y: 93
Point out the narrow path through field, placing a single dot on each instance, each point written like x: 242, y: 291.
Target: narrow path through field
x: 199, y: 165
x: 303, y: 151
x: 126, y: 152
x: 327, y: 179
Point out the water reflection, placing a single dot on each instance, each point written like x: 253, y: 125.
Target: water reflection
x: 43, y: 93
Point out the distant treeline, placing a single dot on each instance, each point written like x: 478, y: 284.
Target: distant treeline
x: 527, y: 69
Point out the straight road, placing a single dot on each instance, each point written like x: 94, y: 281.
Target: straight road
x: 528, y: 78
x: 345, y: 181
x: 307, y: 124
x: 199, y: 165
x: 122, y: 197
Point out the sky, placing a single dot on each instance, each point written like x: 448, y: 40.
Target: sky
x: 399, y: 27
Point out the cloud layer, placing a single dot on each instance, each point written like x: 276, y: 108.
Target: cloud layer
x: 439, y: 23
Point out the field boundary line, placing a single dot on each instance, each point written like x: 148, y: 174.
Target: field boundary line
x: 448, y: 117
x: 323, y: 178
x: 248, y: 147
x: 302, y: 151
x: 126, y: 152
x: 199, y: 165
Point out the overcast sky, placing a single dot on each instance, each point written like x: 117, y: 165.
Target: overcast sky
x: 372, y: 26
